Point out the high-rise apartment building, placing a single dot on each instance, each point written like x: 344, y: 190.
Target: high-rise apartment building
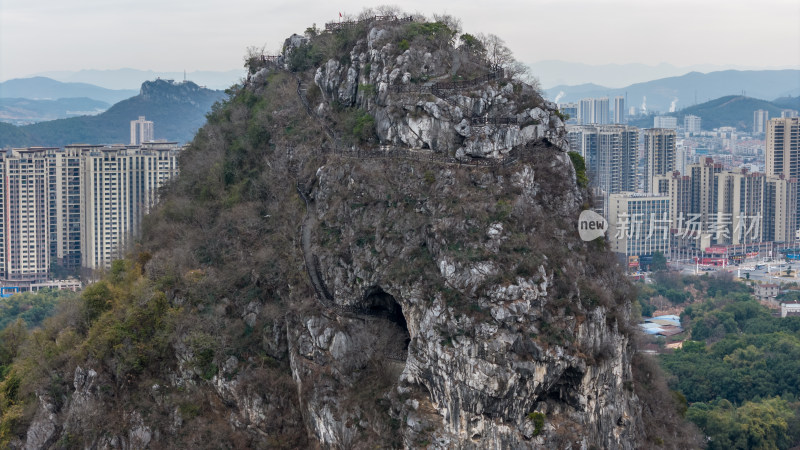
x: 583, y: 139
x: 729, y: 207
x: 610, y: 152
x: 679, y: 189
x: 600, y: 113
x: 593, y: 111
x: 25, y: 248
x: 659, y: 151
x: 681, y: 156
x: 141, y: 131
x: 692, y: 124
x: 119, y: 185
x: 105, y: 214
x: 619, y: 109
x: 760, y: 119
x: 782, y: 152
x: 788, y: 113
x: 740, y: 208
x: 665, y: 122
x: 780, y: 209
x: 585, y: 111
x: 703, y: 197
x: 639, y: 224
x: 152, y: 166
x: 78, y: 206
x: 616, y: 158
x: 782, y: 149
x: 753, y: 207
x: 64, y: 179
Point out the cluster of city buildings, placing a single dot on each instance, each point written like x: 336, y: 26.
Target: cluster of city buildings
x: 77, y: 207
x: 663, y: 193
x: 594, y: 111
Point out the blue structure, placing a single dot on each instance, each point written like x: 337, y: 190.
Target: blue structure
x: 665, y: 325
x: 8, y: 291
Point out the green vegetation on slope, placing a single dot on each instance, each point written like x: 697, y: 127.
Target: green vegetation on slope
x: 671, y: 289
x: 771, y: 423
x: 788, y: 103
x: 753, y: 354
x: 13, y: 136
x: 187, y: 300
x: 580, y: 168
x: 31, y: 307
x: 741, y: 373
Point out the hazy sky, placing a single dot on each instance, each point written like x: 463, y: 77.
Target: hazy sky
x: 173, y: 35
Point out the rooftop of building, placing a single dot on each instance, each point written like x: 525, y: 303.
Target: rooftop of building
x: 639, y: 195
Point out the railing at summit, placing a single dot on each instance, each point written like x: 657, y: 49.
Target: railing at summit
x: 336, y: 26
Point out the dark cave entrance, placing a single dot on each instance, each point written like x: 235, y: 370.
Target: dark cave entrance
x: 379, y: 303
x: 566, y: 388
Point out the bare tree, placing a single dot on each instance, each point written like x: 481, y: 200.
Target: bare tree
x: 389, y: 10
x: 252, y: 58
x: 498, y: 55
x: 453, y: 23
x: 522, y: 72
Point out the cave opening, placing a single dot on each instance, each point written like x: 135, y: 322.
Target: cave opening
x: 566, y: 388
x: 379, y: 303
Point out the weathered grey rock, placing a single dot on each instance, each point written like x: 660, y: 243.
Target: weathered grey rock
x: 42, y: 432
x: 291, y: 43
x: 139, y: 435
x: 250, y: 313
x: 432, y: 332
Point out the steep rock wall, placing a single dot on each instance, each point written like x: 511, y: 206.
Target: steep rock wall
x: 423, y: 302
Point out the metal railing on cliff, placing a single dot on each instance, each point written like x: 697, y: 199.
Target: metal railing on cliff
x: 336, y: 26
x: 441, y: 86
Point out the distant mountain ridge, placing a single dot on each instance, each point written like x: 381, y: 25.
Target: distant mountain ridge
x: 177, y: 110
x: 23, y: 111
x: 728, y: 111
x: 127, y: 78
x: 43, y: 88
x: 659, y: 95
x: 553, y: 73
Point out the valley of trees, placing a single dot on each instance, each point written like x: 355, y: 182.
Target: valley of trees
x: 32, y: 308
x: 738, y: 377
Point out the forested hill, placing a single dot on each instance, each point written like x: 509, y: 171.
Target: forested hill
x: 177, y: 110
x: 729, y: 111
x: 371, y: 244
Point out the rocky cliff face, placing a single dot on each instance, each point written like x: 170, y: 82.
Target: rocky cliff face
x: 493, y: 338
x: 440, y: 115
x: 420, y: 284
x: 490, y: 343
x: 168, y: 91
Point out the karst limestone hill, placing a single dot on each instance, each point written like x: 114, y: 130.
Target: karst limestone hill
x: 372, y: 243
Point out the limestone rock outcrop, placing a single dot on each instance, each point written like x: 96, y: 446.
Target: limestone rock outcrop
x: 376, y: 248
